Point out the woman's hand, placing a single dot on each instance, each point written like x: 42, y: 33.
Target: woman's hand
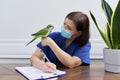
x: 48, y: 67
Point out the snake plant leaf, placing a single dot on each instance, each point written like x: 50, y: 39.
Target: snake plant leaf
x: 103, y: 35
x: 107, y: 33
x: 107, y: 10
x: 115, y: 27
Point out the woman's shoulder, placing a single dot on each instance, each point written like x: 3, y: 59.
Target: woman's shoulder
x: 87, y: 45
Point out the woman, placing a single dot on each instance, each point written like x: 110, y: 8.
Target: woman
x: 70, y: 47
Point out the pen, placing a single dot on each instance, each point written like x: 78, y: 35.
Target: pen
x: 45, y: 56
x: 55, y: 73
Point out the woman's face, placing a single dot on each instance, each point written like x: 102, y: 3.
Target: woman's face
x: 70, y: 26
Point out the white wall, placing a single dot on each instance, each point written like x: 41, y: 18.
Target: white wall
x: 20, y: 18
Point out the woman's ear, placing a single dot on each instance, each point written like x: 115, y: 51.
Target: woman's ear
x: 78, y: 34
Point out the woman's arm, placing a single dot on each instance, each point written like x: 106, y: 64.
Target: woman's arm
x: 65, y: 58
x: 36, y: 61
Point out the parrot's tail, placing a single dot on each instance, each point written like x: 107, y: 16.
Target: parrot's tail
x: 33, y: 34
x: 31, y: 41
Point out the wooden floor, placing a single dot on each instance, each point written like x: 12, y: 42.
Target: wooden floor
x: 93, y: 72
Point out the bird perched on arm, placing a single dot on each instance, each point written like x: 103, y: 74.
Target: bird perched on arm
x: 42, y: 33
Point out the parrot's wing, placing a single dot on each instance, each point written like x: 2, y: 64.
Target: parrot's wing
x: 41, y: 32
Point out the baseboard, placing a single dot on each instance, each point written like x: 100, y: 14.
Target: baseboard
x: 11, y: 49
x: 14, y: 60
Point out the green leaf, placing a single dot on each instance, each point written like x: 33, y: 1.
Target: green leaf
x: 115, y: 27
x: 107, y: 35
x: 103, y: 35
x: 107, y: 10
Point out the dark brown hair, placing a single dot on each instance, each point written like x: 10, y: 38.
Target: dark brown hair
x: 82, y: 24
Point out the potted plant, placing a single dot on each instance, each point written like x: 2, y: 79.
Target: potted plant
x: 111, y: 36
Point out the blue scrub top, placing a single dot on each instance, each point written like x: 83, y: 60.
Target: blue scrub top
x: 73, y: 49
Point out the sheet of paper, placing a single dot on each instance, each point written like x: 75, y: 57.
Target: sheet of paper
x: 33, y: 73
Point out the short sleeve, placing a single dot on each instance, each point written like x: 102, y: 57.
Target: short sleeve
x: 84, y: 53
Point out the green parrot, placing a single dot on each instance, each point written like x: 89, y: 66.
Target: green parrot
x: 42, y: 33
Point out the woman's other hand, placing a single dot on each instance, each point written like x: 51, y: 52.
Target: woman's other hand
x: 46, y: 41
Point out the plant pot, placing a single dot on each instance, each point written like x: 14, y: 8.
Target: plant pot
x: 112, y: 60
